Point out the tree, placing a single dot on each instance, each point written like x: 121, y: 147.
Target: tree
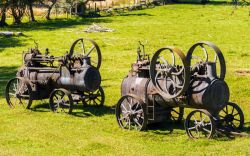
x: 30, y: 7
x: 17, y: 10
x: 73, y: 3
x: 49, y: 4
x: 84, y: 3
x: 3, y: 9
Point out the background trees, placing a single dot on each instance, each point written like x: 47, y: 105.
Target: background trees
x: 3, y: 9
x: 17, y: 10
x: 49, y: 4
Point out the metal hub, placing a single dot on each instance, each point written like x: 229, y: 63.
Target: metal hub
x: 229, y: 118
x: 132, y: 115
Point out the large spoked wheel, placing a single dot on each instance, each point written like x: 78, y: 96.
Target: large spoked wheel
x: 176, y: 114
x: 18, y: 93
x: 95, y: 98
x: 61, y: 101
x: 87, y: 48
x: 204, y: 52
x: 232, y: 117
x: 131, y: 113
x: 200, y: 124
x: 169, y: 74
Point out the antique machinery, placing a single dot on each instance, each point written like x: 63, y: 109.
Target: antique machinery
x: 66, y: 79
x: 159, y: 89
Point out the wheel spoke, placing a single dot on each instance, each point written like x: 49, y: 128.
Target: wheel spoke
x: 237, y: 119
x: 91, y: 49
x: 206, y: 130
x: 135, y: 120
x: 124, y: 107
x: 83, y: 48
x: 191, y: 128
x: 236, y: 114
x: 232, y: 111
x: 139, y: 111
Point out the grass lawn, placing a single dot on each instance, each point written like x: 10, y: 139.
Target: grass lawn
x: 95, y: 131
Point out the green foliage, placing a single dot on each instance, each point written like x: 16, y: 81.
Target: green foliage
x: 94, y: 131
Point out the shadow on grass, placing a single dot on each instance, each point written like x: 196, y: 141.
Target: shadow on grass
x: 8, y: 42
x: 57, y: 24
x: 6, y: 73
x: 79, y: 110
x: 246, y: 128
x: 88, y: 111
x: 165, y: 128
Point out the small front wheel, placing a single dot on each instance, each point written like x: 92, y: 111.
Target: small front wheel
x: 232, y: 117
x: 95, y: 98
x: 200, y: 124
x: 61, y: 101
x: 131, y: 113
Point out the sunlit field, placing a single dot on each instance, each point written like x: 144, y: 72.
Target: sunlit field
x: 94, y: 131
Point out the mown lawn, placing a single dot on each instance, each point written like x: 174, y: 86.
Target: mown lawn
x: 94, y: 131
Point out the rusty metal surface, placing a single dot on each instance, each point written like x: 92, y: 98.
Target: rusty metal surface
x: 217, y: 52
x: 170, y: 89
x: 87, y: 53
x: 76, y: 72
x: 163, y: 84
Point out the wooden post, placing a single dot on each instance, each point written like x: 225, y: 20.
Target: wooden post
x: 67, y: 16
x: 76, y: 8
x: 95, y: 7
x: 56, y: 11
x: 70, y: 12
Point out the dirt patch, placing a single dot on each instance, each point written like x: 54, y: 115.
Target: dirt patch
x: 242, y: 72
x: 98, y: 28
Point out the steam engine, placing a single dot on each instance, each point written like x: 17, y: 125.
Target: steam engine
x: 159, y: 89
x: 43, y: 76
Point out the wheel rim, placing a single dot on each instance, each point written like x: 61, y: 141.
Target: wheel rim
x: 130, y: 113
x: 206, y: 48
x: 169, y: 72
x: 87, y: 48
x: 199, y: 124
x: 18, y: 93
x: 96, y: 98
x: 61, y: 102
x: 232, y: 116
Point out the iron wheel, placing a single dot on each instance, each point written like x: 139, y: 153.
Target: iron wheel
x: 18, y: 93
x: 87, y: 48
x: 199, y: 124
x: 131, y: 113
x: 95, y: 98
x: 61, y: 100
x: 232, y: 116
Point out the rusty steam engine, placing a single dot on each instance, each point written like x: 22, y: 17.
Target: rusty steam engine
x: 159, y: 89
x: 74, y: 77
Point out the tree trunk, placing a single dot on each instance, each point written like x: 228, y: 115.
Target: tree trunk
x: 3, y: 18
x: 32, y: 17
x: 48, y: 13
x: 50, y: 8
x: 17, y: 20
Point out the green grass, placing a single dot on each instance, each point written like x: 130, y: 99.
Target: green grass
x: 95, y: 132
